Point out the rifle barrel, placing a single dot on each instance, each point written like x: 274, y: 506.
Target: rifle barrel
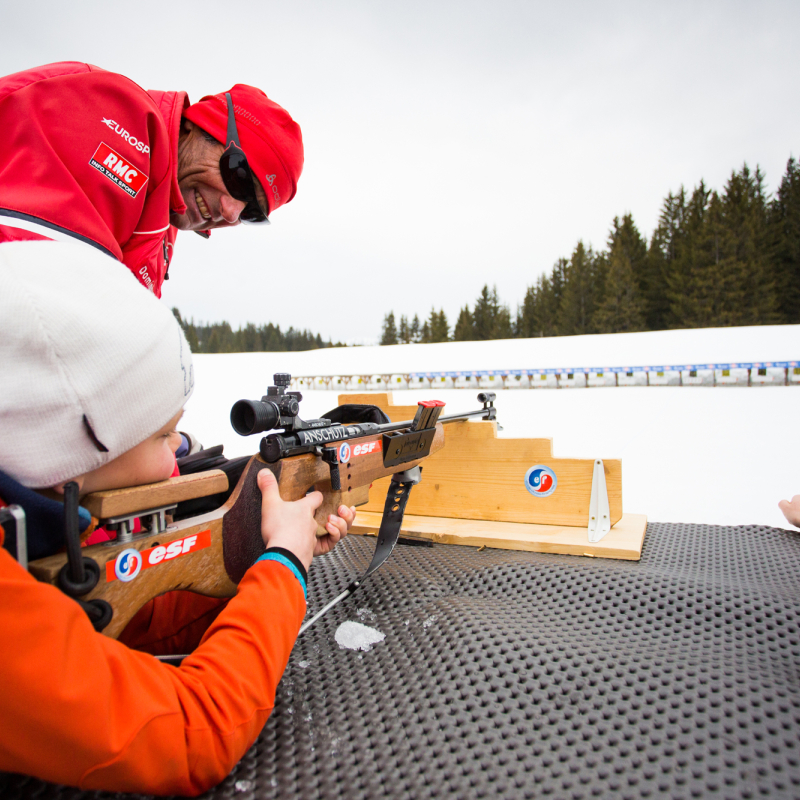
x: 487, y: 413
x: 481, y: 412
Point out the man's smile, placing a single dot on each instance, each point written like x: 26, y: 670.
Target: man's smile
x: 201, y: 205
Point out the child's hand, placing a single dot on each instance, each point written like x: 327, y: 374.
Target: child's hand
x: 288, y: 525
x: 337, y: 528
x: 791, y: 510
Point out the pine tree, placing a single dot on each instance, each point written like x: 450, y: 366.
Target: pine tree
x: 191, y: 336
x: 271, y: 339
x: 438, y: 329
x: 551, y: 293
x: 523, y: 326
x: 655, y: 291
x: 414, y: 329
x: 622, y: 308
x: 785, y: 220
x: 619, y: 297
x: 404, y: 333
x: 680, y: 233
x: 664, y: 254
x: 221, y: 339
x: 250, y: 339
x: 750, y: 263
x: 464, y: 330
x: 545, y: 320
x: 503, y: 329
x: 578, y: 300
x: 719, y: 255
x: 483, y: 315
x: 558, y: 283
x: 444, y: 327
x: 490, y: 318
x: 539, y: 313
x: 625, y: 235
x: 425, y: 333
x: 389, y: 334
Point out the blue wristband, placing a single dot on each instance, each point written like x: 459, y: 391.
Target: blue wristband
x: 281, y: 559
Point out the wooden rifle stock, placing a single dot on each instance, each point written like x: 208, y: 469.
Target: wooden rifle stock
x: 210, y: 553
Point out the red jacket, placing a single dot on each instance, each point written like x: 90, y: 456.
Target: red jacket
x: 79, y: 708
x: 87, y: 154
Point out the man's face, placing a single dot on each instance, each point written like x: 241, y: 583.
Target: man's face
x: 208, y: 202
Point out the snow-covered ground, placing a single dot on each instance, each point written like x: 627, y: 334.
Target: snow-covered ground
x: 706, y: 345
x: 689, y: 454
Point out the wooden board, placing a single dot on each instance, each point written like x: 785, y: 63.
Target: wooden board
x: 623, y: 541
x: 119, y: 502
x: 479, y: 476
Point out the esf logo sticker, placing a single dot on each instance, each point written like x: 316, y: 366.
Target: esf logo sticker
x: 540, y: 481
x: 346, y: 453
x: 129, y: 563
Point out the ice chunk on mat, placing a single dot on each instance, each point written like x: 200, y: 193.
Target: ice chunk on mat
x: 355, y: 636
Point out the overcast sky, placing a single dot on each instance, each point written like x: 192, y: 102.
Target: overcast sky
x: 448, y: 144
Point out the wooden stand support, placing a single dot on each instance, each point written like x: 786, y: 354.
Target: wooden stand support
x: 624, y: 541
x: 474, y: 492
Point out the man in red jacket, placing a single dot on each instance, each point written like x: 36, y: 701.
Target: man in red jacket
x: 88, y: 155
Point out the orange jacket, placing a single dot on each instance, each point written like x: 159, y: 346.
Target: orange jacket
x: 79, y: 708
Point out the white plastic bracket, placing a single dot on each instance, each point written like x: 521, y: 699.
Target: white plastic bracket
x: 599, y: 513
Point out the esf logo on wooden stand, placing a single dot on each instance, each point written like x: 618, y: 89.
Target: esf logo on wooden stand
x: 541, y: 481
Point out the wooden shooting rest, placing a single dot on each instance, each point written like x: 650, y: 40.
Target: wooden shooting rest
x: 473, y: 493
x: 119, y: 502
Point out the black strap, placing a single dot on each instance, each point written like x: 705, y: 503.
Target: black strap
x: 392, y: 521
x: 355, y: 413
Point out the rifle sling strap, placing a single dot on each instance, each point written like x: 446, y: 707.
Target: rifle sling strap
x: 392, y: 521
x: 389, y: 533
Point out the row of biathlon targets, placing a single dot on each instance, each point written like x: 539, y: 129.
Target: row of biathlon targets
x: 755, y: 376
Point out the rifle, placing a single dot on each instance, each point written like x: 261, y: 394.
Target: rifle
x: 210, y: 552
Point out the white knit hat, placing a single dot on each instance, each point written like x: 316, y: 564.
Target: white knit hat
x: 91, y: 362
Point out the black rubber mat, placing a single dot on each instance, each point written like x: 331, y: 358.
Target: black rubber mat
x: 515, y: 675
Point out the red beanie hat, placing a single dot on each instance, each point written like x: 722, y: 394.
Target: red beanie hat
x: 270, y: 138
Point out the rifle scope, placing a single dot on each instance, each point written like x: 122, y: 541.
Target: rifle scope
x: 253, y: 416
x: 257, y: 416
x: 277, y: 409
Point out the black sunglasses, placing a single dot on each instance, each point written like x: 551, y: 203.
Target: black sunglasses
x: 237, y: 176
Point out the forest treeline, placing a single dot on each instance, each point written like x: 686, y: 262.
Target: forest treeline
x: 714, y: 260
x: 219, y: 337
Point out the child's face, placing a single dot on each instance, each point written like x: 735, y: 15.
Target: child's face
x: 150, y: 461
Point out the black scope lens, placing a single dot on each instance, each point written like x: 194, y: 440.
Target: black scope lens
x: 253, y: 416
